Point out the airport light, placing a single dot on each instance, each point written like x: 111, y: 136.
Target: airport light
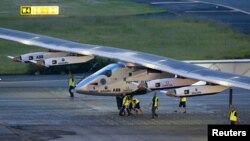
x: 39, y: 10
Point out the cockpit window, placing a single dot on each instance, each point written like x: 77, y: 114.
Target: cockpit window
x: 108, y: 73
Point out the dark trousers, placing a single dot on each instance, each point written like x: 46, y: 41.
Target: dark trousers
x: 232, y: 122
x: 70, y: 91
x: 122, y: 111
x: 154, y: 112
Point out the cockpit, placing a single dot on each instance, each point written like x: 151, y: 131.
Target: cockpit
x: 97, y: 78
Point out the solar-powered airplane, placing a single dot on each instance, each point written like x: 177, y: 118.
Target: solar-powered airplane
x: 135, y: 72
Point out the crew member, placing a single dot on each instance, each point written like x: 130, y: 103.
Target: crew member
x: 71, y: 84
x: 136, y: 105
x: 125, y: 105
x: 233, y: 115
x: 182, y: 103
x: 155, y: 105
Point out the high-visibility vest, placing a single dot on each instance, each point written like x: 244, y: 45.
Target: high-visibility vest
x: 135, y: 101
x: 155, y: 101
x: 71, y: 82
x: 232, y: 116
x: 183, y: 99
x: 125, y: 101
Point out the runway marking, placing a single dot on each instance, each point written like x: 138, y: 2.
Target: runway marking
x: 226, y: 6
x: 204, y: 2
x: 174, y: 2
x: 212, y: 11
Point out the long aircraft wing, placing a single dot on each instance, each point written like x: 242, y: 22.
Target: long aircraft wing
x: 145, y: 59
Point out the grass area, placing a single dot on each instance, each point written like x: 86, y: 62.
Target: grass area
x: 112, y: 23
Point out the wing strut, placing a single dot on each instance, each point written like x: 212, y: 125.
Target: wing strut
x: 230, y: 97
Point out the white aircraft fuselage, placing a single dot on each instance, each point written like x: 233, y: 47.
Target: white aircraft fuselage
x: 116, y: 79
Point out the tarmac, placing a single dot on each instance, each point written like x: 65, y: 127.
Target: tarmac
x: 232, y: 13
x: 33, y: 113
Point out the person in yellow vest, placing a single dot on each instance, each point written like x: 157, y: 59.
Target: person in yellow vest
x: 182, y: 103
x: 125, y: 105
x: 155, y: 105
x: 233, y: 115
x: 71, y: 84
x: 136, y: 105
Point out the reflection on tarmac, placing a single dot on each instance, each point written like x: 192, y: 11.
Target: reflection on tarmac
x: 49, y: 113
